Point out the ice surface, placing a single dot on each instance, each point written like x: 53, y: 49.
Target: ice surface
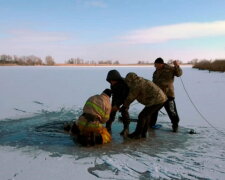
x: 35, y: 102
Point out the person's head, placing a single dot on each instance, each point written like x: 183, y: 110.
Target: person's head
x: 90, y: 139
x: 131, y: 77
x: 159, y: 63
x: 113, y: 77
x: 75, y: 129
x: 108, y: 92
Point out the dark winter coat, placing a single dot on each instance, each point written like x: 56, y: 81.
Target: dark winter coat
x: 119, y: 90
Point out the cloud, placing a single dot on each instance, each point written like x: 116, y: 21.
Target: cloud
x: 175, y: 32
x: 39, y: 43
x: 36, y: 36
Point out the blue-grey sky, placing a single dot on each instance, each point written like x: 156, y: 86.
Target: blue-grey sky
x: 123, y: 30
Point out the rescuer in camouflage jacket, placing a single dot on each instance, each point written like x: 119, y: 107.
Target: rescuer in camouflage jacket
x: 164, y: 78
x: 146, y: 93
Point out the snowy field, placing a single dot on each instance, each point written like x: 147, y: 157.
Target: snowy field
x: 36, y: 101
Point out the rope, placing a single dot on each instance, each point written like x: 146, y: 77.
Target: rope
x: 163, y: 114
x: 203, y: 117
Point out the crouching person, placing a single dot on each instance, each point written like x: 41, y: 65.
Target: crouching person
x: 89, y: 129
x: 148, y: 94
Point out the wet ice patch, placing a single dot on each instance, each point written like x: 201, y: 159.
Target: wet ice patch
x: 163, y: 154
x: 200, y: 157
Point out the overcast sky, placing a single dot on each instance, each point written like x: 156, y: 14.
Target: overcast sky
x: 123, y: 30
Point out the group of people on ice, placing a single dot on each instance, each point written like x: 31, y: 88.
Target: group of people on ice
x: 94, y: 125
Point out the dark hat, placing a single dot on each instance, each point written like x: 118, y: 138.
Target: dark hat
x: 159, y: 61
x: 108, y: 92
x: 113, y: 75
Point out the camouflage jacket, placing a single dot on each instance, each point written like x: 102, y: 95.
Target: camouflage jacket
x: 99, y: 106
x: 143, y: 90
x: 164, y: 78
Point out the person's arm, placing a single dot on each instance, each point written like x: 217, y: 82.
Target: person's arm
x: 107, y: 109
x: 177, y: 70
x: 133, y: 93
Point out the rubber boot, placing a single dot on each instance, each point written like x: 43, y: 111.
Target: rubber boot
x: 125, y: 130
x: 175, y: 128
x: 137, y: 133
x: 108, y: 126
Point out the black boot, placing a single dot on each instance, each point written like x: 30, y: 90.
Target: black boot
x: 125, y: 130
x: 175, y: 127
x: 143, y: 135
x: 137, y: 133
x: 108, y: 126
x: 134, y: 135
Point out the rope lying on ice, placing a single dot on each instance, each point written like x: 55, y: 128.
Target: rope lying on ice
x: 203, y: 117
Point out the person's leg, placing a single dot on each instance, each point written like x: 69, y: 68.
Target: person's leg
x: 110, y: 121
x: 141, y: 123
x: 150, y: 117
x: 126, y: 122
x: 144, y: 120
x: 153, y: 120
x: 171, y: 110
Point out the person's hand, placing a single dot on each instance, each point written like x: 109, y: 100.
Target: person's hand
x: 175, y: 63
x: 114, y: 109
x: 123, y: 108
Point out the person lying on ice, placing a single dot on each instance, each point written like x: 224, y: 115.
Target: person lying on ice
x: 89, y: 129
x: 147, y: 93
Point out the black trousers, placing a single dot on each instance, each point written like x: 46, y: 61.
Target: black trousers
x: 170, y: 107
x: 125, y: 118
x: 144, y: 118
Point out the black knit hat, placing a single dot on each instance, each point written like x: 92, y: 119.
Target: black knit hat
x: 108, y: 92
x: 159, y: 61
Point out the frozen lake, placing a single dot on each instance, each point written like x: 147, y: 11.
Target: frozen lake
x: 36, y: 101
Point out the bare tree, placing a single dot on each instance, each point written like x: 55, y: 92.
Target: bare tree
x: 49, y: 60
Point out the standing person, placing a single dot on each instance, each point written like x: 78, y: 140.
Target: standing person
x: 89, y: 128
x: 148, y: 94
x: 120, y: 91
x: 164, y: 78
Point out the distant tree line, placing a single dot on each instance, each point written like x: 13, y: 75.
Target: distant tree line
x: 168, y: 62
x: 216, y: 65
x: 81, y: 61
x: 34, y: 61
x: 25, y: 60
x: 143, y: 62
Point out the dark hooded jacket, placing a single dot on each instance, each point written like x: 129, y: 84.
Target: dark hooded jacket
x: 120, y: 90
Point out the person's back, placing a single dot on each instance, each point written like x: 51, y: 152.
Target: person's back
x: 89, y: 127
x: 143, y: 90
x: 98, y: 106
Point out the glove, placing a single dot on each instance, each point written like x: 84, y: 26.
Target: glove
x: 114, y: 109
x: 123, y: 108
